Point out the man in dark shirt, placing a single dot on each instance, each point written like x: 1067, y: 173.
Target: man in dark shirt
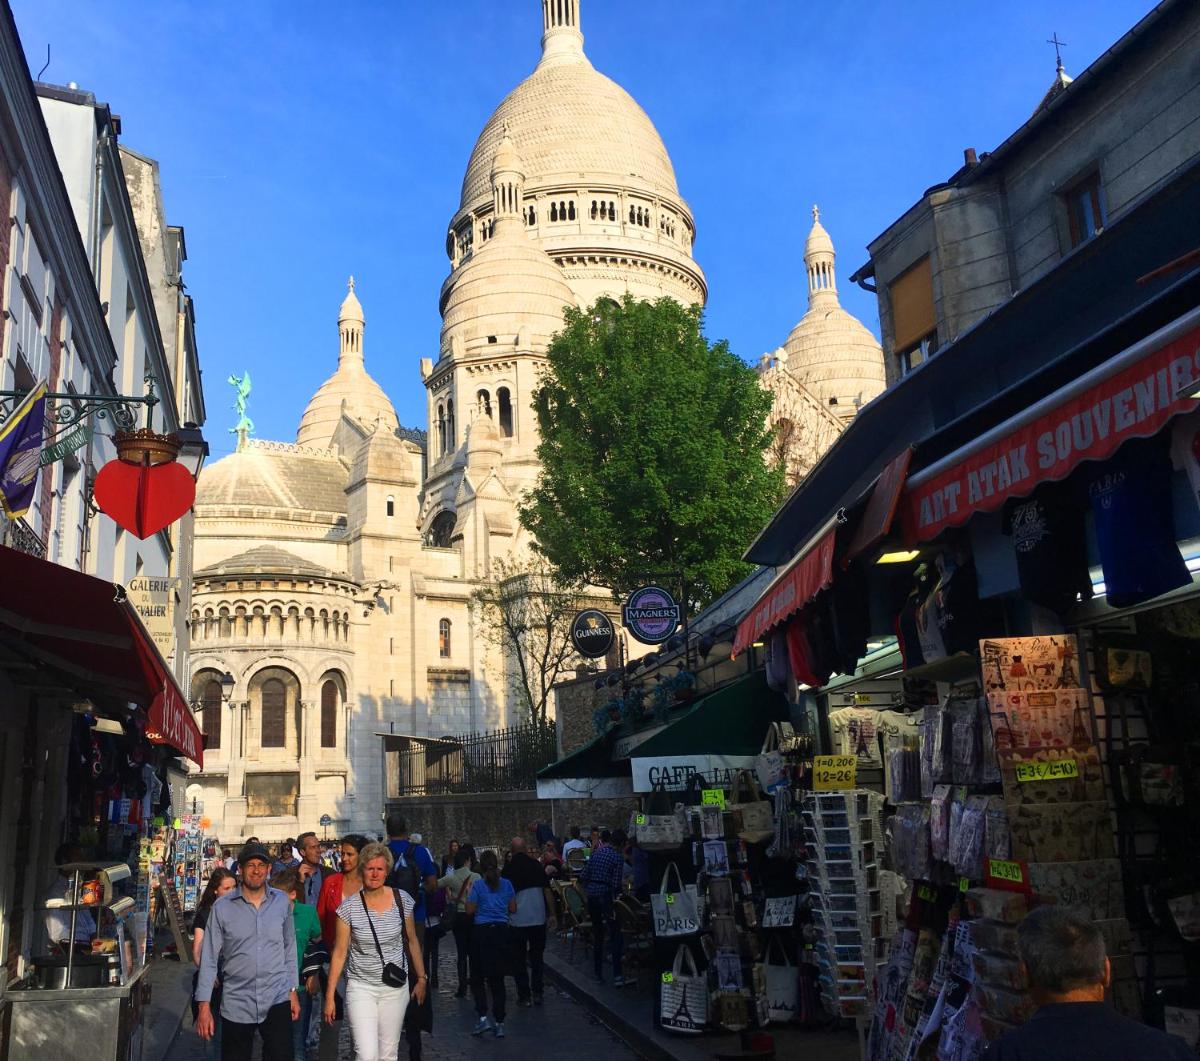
x: 602, y: 879
x: 1063, y: 956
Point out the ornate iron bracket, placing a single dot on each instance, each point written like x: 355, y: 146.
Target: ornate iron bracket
x: 66, y: 408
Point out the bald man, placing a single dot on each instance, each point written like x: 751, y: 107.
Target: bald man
x: 535, y: 912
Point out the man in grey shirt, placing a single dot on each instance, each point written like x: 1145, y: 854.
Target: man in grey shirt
x: 535, y: 911
x: 251, y: 934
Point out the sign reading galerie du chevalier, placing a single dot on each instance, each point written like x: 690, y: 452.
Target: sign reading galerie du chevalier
x: 651, y: 615
x: 153, y: 597
x: 592, y: 633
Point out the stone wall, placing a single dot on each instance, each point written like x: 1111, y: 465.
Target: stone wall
x: 574, y: 703
x: 491, y: 819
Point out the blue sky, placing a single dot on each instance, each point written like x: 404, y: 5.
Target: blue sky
x: 302, y: 141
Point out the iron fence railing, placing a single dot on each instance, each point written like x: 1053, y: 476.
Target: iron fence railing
x: 501, y: 760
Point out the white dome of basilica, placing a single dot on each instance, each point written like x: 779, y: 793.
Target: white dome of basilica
x: 600, y: 193
x: 350, y: 386
x: 829, y: 351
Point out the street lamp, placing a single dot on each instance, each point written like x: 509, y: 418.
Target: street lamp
x: 193, y: 449
x: 228, y: 681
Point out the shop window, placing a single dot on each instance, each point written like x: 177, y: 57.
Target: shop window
x: 274, y: 714
x: 1085, y: 209
x: 504, y: 401
x: 210, y: 715
x: 444, y: 638
x: 329, y: 713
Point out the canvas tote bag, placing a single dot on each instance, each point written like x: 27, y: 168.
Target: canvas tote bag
x: 771, y: 767
x: 683, y: 996
x: 757, y: 821
x: 783, y: 985
x: 675, y: 911
x: 661, y: 828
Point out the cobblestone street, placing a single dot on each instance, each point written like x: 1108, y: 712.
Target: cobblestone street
x: 560, y: 1021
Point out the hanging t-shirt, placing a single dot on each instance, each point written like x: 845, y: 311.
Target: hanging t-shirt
x: 1048, y: 537
x: 1130, y: 495
x: 898, y: 730
x: 855, y: 731
x: 776, y: 663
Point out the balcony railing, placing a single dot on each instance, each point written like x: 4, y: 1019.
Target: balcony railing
x: 20, y: 535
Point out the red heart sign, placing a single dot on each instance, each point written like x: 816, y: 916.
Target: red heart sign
x: 144, y: 499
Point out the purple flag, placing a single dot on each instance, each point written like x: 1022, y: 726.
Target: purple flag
x: 20, y: 452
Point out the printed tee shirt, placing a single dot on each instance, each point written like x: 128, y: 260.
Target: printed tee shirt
x: 895, y: 727
x: 1048, y: 537
x: 492, y: 906
x: 1131, y: 503
x: 855, y: 731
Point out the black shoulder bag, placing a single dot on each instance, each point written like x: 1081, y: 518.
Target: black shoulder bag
x: 393, y: 975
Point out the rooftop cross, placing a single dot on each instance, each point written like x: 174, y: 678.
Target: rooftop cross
x: 1058, y: 47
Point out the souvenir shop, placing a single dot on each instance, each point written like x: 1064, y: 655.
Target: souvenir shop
x: 94, y: 731
x: 1029, y: 736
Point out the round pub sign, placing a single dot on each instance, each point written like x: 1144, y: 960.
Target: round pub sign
x: 592, y: 633
x: 651, y: 615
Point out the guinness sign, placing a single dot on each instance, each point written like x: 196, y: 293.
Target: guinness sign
x: 651, y: 615
x: 592, y: 633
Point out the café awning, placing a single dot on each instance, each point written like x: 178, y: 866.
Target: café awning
x: 1132, y: 395
x: 801, y: 580
x: 83, y: 629
x: 589, y: 772
x: 721, y: 734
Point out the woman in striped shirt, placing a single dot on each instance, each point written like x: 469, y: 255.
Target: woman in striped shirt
x: 376, y: 927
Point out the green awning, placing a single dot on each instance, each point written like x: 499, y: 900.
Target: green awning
x: 587, y: 773
x: 732, y: 721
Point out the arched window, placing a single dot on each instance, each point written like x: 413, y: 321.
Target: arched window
x: 274, y: 714
x: 451, y: 434
x: 444, y: 638
x: 441, y: 429
x: 554, y: 211
x: 504, y: 402
x: 391, y: 505
x: 210, y: 717
x: 329, y: 713
x: 483, y: 402
x: 633, y: 215
x: 595, y: 209
x: 441, y: 530
x: 612, y: 211
x: 571, y: 210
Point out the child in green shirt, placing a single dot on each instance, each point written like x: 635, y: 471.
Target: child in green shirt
x: 308, y: 930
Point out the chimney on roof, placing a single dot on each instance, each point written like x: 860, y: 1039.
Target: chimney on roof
x: 970, y: 158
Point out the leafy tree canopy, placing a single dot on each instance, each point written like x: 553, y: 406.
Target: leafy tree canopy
x: 652, y: 451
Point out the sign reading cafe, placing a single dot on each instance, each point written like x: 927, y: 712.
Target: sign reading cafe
x: 651, y: 615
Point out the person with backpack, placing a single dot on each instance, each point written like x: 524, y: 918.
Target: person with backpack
x: 414, y: 873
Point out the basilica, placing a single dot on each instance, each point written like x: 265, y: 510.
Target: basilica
x: 334, y: 575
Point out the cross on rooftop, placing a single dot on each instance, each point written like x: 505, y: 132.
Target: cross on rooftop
x: 1058, y: 47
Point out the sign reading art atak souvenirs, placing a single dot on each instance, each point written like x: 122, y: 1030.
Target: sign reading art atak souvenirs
x: 651, y: 615
x: 592, y: 633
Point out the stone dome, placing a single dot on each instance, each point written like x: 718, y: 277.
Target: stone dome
x: 274, y: 475
x: 569, y: 121
x: 508, y: 286
x: 829, y: 351
x: 350, y: 386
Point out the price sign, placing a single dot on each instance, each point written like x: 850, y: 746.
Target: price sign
x: 964, y: 884
x: 639, y: 819
x: 833, y: 773
x: 1055, y: 770
x: 926, y: 894
x: 1006, y: 875
x: 670, y: 898
x: 712, y: 797
x: 668, y: 978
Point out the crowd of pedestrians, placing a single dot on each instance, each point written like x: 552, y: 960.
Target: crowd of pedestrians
x: 291, y: 946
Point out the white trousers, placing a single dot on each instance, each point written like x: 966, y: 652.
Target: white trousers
x: 376, y: 1015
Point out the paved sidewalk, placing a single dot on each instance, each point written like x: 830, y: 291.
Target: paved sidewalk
x: 560, y: 1028
x: 170, y: 1006
x: 630, y: 1012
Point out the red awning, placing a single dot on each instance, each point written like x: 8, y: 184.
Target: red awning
x: 83, y: 628
x: 794, y: 587
x: 1133, y: 395
x: 877, y: 518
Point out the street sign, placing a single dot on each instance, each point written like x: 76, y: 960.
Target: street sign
x: 326, y: 820
x: 79, y: 436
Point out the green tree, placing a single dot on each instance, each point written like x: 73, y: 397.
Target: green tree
x: 652, y: 451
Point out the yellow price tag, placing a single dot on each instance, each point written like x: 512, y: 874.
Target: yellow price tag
x: 964, y: 884
x: 639, y: 820
x: 670, y: 898
x: 1054, y: 770
x: 835, y: 773
x: 713, y: 797
x: 668, y: 978
x: 1004, y: 870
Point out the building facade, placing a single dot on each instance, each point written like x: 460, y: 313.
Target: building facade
x: 334, y: 575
